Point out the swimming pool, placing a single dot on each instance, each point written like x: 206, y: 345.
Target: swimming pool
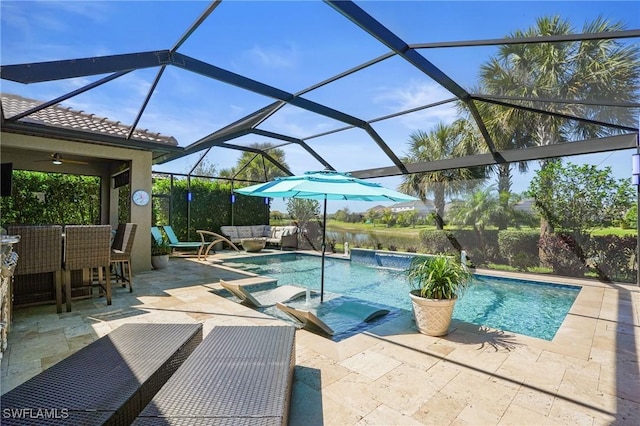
x: 525, y: 307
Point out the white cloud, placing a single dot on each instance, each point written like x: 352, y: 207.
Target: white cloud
x: 89, y: 10
x: 274, y: 56
x: 296, y: 122
x: 417, y: 94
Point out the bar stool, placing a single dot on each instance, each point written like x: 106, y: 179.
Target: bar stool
x: 88, y: 247
x: 121, y: 253
x: 40, y: 251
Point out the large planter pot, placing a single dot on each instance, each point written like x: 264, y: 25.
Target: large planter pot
x: 160, y: 262
x: 253, y: 245
x: 433, y: 316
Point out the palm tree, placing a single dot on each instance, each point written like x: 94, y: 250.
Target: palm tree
x: 255, y: 167
x: 582, y: 70
x: 484, y: 208
x: 478, y: 210
x: 443, y: 142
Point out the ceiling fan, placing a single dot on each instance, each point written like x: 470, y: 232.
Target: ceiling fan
x: 57, y: 159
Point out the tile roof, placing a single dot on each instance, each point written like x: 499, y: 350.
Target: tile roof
x: 68, y: 118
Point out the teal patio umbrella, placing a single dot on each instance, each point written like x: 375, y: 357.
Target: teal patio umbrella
x: 324, y: 185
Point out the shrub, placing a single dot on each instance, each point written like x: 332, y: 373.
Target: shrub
x: 452, y: 242
x: 160, y: 248
x: 438, y: 241
x: 209, y: 209
x: 613, y: 257
x: 519, y: 248
x: 564, y: 254
x: 523, y: 261
x: 630, y: 220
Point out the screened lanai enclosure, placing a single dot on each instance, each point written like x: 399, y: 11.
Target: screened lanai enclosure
x: 515, y: 123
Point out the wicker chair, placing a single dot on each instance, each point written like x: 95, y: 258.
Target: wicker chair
x: 118, y: 238
x: 121, y: 253
x: 88, y: 247
x: 40, y: 251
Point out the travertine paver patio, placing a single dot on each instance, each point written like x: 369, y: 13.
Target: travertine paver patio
x: 391, y: 375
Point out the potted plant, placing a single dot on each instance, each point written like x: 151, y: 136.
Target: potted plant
x: 436, y: 283
x: 160, y: 253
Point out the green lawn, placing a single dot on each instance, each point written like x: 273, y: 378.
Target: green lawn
x: 614, y: 231
x: 335, y: 225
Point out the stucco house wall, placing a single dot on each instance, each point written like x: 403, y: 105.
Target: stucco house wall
x: 20, y: 149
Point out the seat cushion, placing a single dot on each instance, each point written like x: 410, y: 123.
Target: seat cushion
x: 230, y: 231
x: 257, y: 231
x: 244, y: 232
x: 276, y: 232
x: 289, y: 230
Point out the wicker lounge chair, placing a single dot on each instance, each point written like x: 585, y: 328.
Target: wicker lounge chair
x: 121, y: 252
x: 238, y: 375
x: 108, y: 382
x: 311, y: 322
x: 177, y: 244
x: 265, y: 298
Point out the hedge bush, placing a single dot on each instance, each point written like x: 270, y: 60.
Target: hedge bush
x: 453, y: 241
x: 51, y: 199
x: 563, y: 254
x: 613, y: 257
x: 210, y: 206
x: 438, y: 241
x: 519, y: 248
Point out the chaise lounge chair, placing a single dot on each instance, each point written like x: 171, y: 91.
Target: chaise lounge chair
x: 311, y: 322
x: 266, y: 298
x: 177, y: 244
x: 215, y: 238
x: 156, y: 234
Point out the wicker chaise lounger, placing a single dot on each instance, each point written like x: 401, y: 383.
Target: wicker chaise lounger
x: 311, y: 322
x: 239, y: 375
x: 266, y: 298
x: 105, y: 383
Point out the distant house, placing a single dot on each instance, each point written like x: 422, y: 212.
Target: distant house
x: 378, y: 208
x: 422, y: 208
x: 525, y: 205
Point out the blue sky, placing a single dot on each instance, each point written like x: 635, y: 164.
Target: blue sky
x: 287, y: 44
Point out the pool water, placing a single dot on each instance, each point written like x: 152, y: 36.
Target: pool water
x: 525, y: 307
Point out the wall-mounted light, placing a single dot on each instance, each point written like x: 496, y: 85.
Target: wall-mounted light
x: 635, y: 169
x: 266, y: 200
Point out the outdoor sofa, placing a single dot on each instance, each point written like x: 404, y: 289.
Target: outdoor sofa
x: 282, y: 236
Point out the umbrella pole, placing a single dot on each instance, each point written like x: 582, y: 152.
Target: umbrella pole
x: 324, y: 231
